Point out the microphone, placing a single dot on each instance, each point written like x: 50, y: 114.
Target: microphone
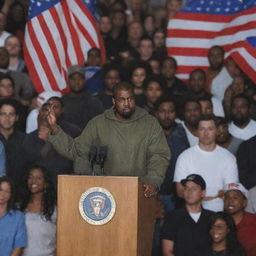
x: 102, y: 157
x: 93, y: 157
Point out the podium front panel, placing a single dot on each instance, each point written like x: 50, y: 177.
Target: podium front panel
x: 76, y: 237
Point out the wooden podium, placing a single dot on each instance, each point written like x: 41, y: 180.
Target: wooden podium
x: 130, y: 230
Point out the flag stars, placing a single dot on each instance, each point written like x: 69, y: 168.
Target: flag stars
x: 227, y: 10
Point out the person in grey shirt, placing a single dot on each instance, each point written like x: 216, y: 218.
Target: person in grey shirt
x: 224, y: 138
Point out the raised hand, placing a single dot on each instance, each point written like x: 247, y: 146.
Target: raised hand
x: 52, y: 121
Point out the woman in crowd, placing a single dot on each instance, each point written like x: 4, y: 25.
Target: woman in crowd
x: 223, y: 235
x: 154, y: 88
x: 39, y: 205
x: 13, y: 46
x: 13, y: 236
x: 139, y: 73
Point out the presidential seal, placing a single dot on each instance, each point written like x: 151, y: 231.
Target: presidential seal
x: 97, y: 206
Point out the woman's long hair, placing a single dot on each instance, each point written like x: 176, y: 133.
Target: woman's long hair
x: 231, y: 239
x: 49, y: 197
x: 11, y: 201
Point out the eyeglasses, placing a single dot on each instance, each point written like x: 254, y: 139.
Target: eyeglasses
x: 123, y: 100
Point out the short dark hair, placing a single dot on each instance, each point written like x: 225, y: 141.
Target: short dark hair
x: 141, y: 64
x: 170, y: 58
x: 112, y: 13
x: 164, y: 99
x: 189, y: 100
x: 7, y: 76
x: 125, y: 86
x: 241, y: 96
x: 58, y: 99
x: 197, y: 70
x: 112, y: 66
x: 118, y: 2
x: 93, y: 50
x: 146, y: 38
x: 221, y: 121
x: 159, y: 30
x: 206, y: 99
x: 217, y: 47
x: 9, y: 102
x: 154, y: 78
x: 208, y: 118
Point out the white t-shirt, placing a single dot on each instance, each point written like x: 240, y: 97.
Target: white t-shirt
x: 246, y: 133
x: 3, y: 37
x: 220, y: 83
x: 217, y: 167
x: 192, y: 139
x: 31, y: 123
x: 195, y: 216
x: 217, y: 107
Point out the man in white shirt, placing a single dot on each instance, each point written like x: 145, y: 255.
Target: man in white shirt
x: 215, y: 164
x: 241, y: 126
x: 218, y: 78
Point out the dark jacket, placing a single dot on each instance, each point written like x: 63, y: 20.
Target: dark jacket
x: 246, y: 162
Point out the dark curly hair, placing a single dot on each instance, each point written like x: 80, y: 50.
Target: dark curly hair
x: 231, y: 240
x: 49, y: 196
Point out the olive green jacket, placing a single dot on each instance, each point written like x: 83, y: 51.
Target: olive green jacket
x: 136, y: 146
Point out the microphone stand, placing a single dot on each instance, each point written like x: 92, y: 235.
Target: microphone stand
x: 93, y: 158
x: 102, y: 158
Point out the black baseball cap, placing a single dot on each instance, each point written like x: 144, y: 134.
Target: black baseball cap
x: 196, y: 179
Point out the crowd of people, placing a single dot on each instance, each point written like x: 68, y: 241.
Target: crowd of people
x: 192, y: 142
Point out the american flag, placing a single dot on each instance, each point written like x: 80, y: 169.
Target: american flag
x: 58, y: 35
x: 202, y: 24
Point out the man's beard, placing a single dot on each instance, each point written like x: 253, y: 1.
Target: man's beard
x: 78, y: 91
x: 127, y: 115
x: 240, y: 121
x: 168, y: 125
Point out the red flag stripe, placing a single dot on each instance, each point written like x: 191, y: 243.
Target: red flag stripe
x: 67, y: 31
x: 73, y: 33
x: 61, y: 35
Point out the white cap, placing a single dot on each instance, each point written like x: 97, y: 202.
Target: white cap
x: 44, y: 96
x: 236, y: 186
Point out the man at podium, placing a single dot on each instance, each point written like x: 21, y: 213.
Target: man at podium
x: 135, y: 142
